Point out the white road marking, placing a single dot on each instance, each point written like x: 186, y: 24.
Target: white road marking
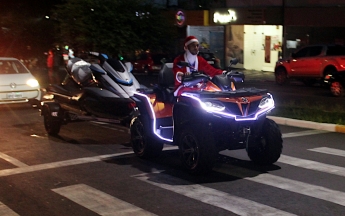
x: 4, y: 210
x: 72, y: 162
x: 285, y: 184
x: 330, y: 151
x: 209, y: 196
x: 312, y: 165
x: 12, y: 160
x: 53, y: 165
x: 303, y: 133
x: 99, y: 202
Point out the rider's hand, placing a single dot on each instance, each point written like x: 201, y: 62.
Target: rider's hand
x: 188, y: 73
x: 225, y: 72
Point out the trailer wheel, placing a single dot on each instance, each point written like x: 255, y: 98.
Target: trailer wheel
x: 197, y: 150
x: 267, y: 148
x: 142, y: 144
x: 52, y: 123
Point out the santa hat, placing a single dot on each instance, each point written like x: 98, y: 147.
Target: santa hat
x: 189, y: 40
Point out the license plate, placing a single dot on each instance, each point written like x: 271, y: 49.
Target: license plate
x: 14, y: 95
x: 210, y: 62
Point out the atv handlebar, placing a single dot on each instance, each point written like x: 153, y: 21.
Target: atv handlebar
x: 194, y: 79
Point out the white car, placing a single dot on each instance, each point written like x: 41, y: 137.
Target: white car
x: 17, y: 84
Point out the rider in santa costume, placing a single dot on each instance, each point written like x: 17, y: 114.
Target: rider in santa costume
x: 191, y: 47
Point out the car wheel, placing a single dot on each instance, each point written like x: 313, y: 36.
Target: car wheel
x: 267, y: 148
x: 281, y: 76
x: 52, y: 124
x: 337, y: 89
x: 142, y: 145
x: 197, y: 150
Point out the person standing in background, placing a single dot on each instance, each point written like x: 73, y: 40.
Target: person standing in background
x: 50, y: 67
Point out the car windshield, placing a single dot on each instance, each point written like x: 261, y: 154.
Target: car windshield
x: 12, y: 67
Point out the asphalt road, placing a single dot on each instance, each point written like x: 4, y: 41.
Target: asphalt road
x: 90, y: 169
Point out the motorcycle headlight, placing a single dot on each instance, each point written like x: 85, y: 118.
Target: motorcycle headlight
x: 266, y: 102
x: 211, y: 106
x: 32, y: 83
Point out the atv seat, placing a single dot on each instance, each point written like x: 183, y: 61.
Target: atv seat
x: 165, y: 89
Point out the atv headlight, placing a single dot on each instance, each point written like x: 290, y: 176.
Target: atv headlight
x: 212, y: 107
x: 266, y: 102
x: 32, y: 83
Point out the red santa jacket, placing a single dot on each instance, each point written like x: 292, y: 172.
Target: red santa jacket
x: 200, y: 65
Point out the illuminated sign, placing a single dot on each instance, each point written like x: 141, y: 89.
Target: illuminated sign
x: 180, y: 18
x: 224, y: 18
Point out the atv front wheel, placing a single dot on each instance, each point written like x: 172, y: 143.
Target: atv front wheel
x: 267, y: 148
x: 52, y: 123
x: 142, y: 144
x: 197, y: 150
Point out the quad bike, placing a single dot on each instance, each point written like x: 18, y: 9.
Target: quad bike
x: 100, y: 91
x: 206, y: 121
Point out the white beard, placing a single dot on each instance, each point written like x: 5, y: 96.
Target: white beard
x: 190, y: 57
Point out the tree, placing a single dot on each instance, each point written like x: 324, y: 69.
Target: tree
x: 113, y: 26
x: 24, y: 30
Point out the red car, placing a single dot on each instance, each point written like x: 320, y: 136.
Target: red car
x: 149, y: 63
x: 311, y: 63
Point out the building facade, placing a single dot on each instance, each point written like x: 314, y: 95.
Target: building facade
x: 258, y: 32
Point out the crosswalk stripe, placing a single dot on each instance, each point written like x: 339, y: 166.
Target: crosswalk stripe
x: 331, y: 151
x: 303, y: 133
x: 12, y: 160
x: 312, y: 165
x: 4, y: 210
x: 53, y: 165
x: 209, y: 196
x: 100, y: 202
x: 318, y: 192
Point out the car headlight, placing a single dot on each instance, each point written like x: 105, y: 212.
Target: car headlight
x: 266, y: 102
x: 32, y: 83
x: 211, y: 106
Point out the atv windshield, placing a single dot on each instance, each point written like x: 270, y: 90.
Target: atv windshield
x: 114, y: 64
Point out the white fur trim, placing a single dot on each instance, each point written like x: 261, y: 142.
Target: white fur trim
x: 177, y: 90
x: 178, y: 74
x: 191, y: 41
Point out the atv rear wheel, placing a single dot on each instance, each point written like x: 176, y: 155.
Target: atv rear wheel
x: 52, y: 123
x: 142, y: 144
x: 197, y: 150
x: 266, y: 149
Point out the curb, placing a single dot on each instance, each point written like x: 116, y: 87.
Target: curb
x: 308, y: 124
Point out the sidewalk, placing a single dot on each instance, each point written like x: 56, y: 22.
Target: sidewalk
x: 308, y: 124
x: 257, y: 75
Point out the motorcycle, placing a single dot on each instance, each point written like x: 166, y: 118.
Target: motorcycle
x: 206, y: 121
x: 336, y: 82
x: 99, y: 91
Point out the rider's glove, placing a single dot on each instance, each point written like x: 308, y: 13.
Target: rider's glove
x: 225, y: 72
